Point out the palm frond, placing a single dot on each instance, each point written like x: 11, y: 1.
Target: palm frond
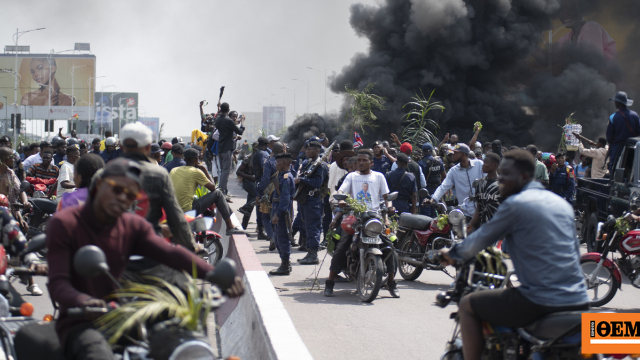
x: 419, y: 128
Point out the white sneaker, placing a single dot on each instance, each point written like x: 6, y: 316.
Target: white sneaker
x: 34, y: 289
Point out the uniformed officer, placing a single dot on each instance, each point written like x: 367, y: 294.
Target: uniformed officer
x: 562, y: 179
x: 282, y: 201
x: 259, y: 158
x: 269, y: 172
x: 311, y: 207
x: 433, y: 169
x: 404, y: 183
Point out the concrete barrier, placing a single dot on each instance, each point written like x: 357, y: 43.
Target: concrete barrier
x: 257, y: 325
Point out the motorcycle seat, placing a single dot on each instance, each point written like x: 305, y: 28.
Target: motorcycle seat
x: 36, y: 341
x: 44, y: 205
x: 555, y: 324
x: 414, y: 222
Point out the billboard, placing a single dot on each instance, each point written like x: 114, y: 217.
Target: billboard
x: 47, y: 87
x: 115, y: 109
x: 153, y: 123
x: 273, y: 119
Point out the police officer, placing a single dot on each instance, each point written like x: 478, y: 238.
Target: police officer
x: 404, y: 183
x: 259, y: 158
x: 433, y: 170
x: 281, y: 202
x: 269, y: 172
x: 310, y: 201
x: 562, y: 178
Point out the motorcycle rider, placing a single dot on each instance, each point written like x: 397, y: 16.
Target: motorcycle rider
x: 10, y: 185
x: 104, y: 221
x: 546, y: 258
x: 45, y: 172
x: 18, y: 168
x: 376, y: 187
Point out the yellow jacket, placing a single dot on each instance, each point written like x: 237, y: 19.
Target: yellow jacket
x: 199, y: 138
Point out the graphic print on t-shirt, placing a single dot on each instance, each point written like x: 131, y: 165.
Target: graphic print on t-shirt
x: 364, y: 195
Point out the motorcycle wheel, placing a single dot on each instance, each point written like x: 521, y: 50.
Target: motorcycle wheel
x: 408, y: 271
x: 215, y: 251
x: 604, y: 281
x: 370, y: 282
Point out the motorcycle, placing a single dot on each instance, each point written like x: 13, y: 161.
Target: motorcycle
x: 602, y: 273
x: 42, y: 208
x: 420, y: 238
x: 158, y: 339
x: 369, y: 250
x: 201, y: 228
x: 554, y: 336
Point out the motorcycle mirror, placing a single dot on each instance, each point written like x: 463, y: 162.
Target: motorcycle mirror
x: 24, y: 186
x: 38, y: 243
x: 424, y: 194
x: 340, y: 197
x: 392, y: 196
x: 90, y: 261
x: 611, y: 220
x: 224, y: 274
x: 191, y: 213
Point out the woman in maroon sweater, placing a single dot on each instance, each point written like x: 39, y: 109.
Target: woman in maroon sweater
x: 104, y: 222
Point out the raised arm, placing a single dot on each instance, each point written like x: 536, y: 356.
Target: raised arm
x: 472, y: 144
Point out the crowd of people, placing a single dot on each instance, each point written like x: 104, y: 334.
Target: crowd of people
x: 97, y: 185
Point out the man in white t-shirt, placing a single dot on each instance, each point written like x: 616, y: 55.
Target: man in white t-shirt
x: 368, y: 187
x: 65, y: 178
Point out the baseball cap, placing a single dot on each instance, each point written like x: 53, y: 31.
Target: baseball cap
x: 427, y: 147
x: 110, y: 141
x: 177, y: 149
x: 272, y: 138
x: 122, y: 167
x: 167, y: 145
x: 406, y: 148
x: 403, y: 158
x: 138, y: 132
x: 191, y: 153
x: 155, y: 148
x: 463, y: 148
x: 263, y: 140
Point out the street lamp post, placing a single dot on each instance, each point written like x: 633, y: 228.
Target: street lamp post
x: 90, y: 88
x: 294, y: 101
x: 15, y: 87
x: 307, y: 82
x: 325, y: 87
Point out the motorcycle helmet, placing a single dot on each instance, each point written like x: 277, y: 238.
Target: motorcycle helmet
x: 55, y: 140
x: 347, y: 224
x: 73, y: 142
x: 4, y: 202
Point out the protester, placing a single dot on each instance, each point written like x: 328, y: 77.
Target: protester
x: 60, y: 154
x: 156, y: 154
x: 37, y: 151
x: 84, y: 148
x: 18, y: 167
x: 227, y: 128
x: 382, y: 161
x: 44, y: 170
x: 623, y: 124
x: 404, y: 183
x: 83, y: 171
x: 541, y: 173
x: 10, y: 185
x: 247, y: 174
x: 177, y: 152
x: 95, y: 146
x: 65, y: 179
x: 599, y: 156
x: 487, y: 194
x: 107, y: 134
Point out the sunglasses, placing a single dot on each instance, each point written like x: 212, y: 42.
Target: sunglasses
x: 119, y: 189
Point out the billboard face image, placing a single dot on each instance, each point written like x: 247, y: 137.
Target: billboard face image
x: 153, y: 123
x: 273, y: 119
x: 47, y: 87
x: 115, y: 109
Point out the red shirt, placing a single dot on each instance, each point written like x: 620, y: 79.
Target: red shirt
x: 73, y: 227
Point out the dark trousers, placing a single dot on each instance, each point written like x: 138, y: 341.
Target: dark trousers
x: 250, y: 188
x: 312, y: 219
x: 402, y: 206
x: 258, y: 216
x: 429, y: 210
x: 266, y: 223
x: 339, y: 260
x: 87, y: 343
x: 327, y: 215
x: 282, y: 238
x: 214, y: 197
x: 297, y: 222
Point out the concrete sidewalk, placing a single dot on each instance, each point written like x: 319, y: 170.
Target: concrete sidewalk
x: 342, y: 326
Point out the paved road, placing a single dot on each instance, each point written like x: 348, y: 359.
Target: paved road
x: 343, y: 327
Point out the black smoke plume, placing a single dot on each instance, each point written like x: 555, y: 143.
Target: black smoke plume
x: 306, y: 126
x: 485, y: 61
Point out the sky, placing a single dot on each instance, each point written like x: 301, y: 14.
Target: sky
x: 177, y: 53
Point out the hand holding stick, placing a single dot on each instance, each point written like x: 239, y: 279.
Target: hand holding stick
x: 585, y: 139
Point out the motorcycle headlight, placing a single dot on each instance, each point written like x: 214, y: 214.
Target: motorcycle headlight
x: 193, y: 350
x: 373, y: 227
x: 455, y: 217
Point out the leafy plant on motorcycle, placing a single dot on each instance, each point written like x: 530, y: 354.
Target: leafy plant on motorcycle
x: 622, y: 226
x: 443, y: 220
x: 357, y: 207
x: 153, y: 301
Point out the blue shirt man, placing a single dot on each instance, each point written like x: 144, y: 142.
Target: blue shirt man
x: 562, y: 179
x: 434, y: 171
x: 623, y: 124
x: 282, y: 201
x: 311, y: 208
x: 404, y: 183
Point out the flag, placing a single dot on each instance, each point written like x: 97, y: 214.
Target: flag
x: 76, y: 116
x: 357, y: 140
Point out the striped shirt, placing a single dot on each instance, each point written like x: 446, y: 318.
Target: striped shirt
x: 39, y: 171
